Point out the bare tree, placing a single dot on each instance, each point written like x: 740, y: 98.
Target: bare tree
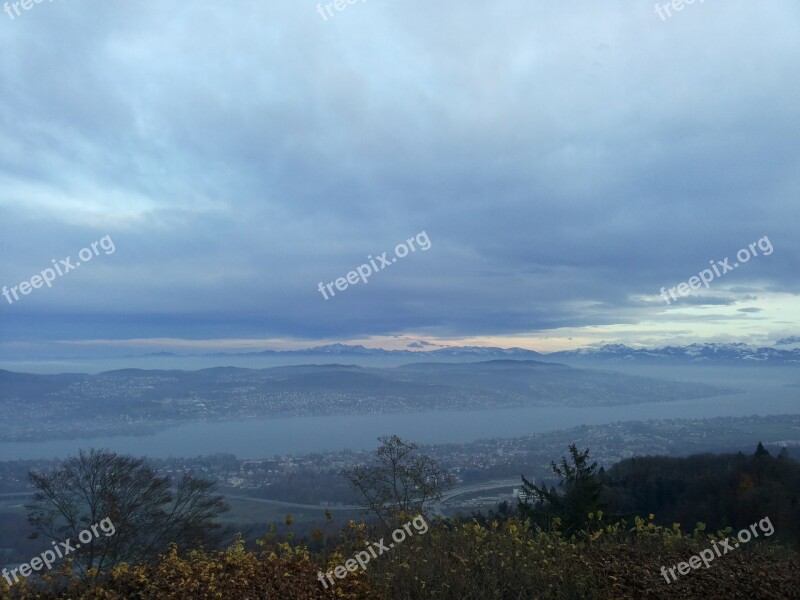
x: 399, y: 481
x: 145, y: 512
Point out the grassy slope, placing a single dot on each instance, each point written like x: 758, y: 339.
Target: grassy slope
x: 467, y: 561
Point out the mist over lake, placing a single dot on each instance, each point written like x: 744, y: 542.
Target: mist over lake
x: 299, y: 435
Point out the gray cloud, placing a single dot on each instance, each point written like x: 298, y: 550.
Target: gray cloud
x: 565, y: 161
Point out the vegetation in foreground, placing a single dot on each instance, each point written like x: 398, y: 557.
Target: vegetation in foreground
x: 558, y: 543
x: 467, y: 560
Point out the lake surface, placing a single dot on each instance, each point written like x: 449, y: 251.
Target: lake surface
x: 260, y: 438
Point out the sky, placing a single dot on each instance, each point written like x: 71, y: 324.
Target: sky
x: 564, y: 161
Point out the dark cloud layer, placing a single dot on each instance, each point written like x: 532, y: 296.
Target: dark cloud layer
x: 566, y: 161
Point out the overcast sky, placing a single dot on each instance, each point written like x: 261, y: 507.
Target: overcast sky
x: 565, y: 159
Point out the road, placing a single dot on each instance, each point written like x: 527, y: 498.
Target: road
x: 446, y: 497
x: 350, y: 507
x: 480, y: 487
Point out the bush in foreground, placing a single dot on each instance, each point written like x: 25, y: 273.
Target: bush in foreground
x: 465, y: 561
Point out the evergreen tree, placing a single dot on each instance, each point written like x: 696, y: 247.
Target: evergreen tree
x: 761, y: 451
x: 579, y: 493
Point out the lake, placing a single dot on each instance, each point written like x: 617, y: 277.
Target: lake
x: 260, y: 438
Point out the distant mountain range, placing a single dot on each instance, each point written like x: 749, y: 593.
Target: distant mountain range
x: 128, y: 401
x: 722, y: 354
x: 453, y: 352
